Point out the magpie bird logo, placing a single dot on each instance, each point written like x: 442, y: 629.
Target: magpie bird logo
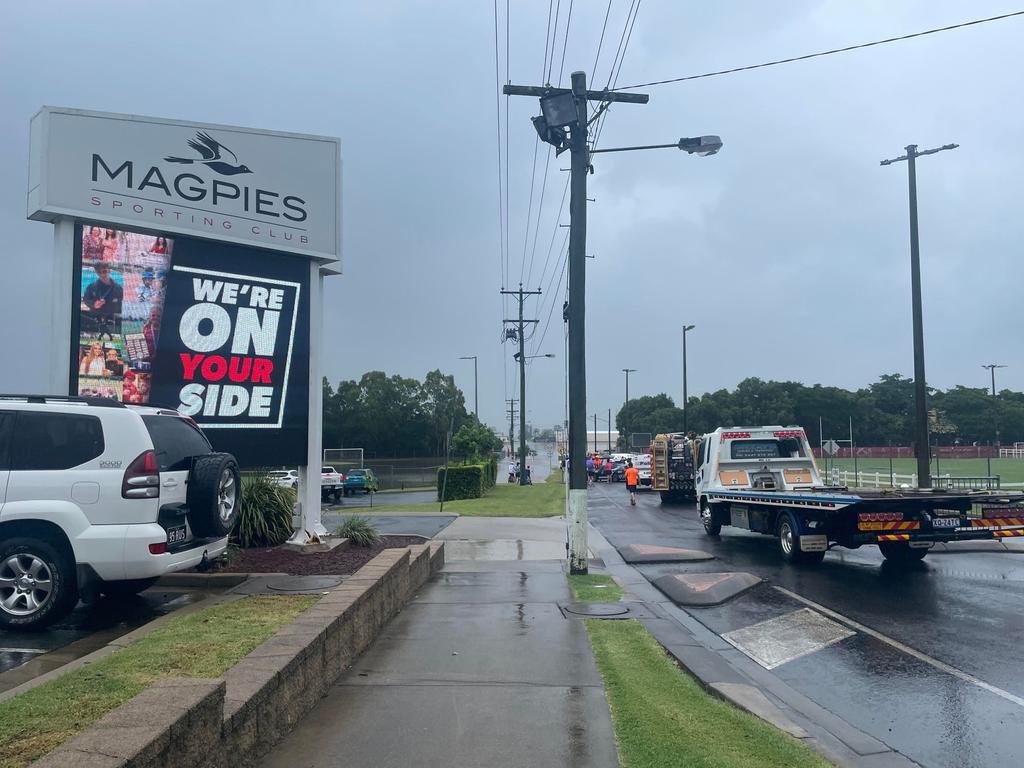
x: 211, y: 154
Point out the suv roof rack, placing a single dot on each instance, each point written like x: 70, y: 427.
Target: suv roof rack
x: 101, y: 402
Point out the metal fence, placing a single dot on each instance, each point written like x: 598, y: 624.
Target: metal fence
x: 896, y: 480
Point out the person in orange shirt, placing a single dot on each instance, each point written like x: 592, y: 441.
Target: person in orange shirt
x: 632, y: 479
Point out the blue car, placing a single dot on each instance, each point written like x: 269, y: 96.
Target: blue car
x: 360, y: 480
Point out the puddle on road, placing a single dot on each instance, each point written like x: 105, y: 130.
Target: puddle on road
x: 503, y: 549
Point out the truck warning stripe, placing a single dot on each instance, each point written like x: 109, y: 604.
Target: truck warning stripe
x: 998, y: 521
x: 894, y: 537
x: 904, y: 525
x: 1010, y: 532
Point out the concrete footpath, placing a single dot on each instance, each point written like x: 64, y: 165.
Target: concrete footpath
x: 480, y: 669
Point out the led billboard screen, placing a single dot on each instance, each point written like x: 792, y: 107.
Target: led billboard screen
x: 216, y: 331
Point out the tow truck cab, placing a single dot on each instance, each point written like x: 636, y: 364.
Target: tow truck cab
x: 772, y: 458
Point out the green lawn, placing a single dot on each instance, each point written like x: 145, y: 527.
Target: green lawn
x: 503, y: 500
x: 594, y: 588
x: 663, y: 717
x: 1009, y: 470
x: 203, y: 644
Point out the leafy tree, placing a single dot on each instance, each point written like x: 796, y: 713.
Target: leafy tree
x: 474, y: 440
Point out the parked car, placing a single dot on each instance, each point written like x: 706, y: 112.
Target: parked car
x: 332, y: 483
x: 103, y: 498
x: 361, y: 480
x: 286, y: 478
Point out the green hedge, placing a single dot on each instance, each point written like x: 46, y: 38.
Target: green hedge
x: 468, y: 481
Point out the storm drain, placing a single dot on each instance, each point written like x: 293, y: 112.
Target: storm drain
x: 277, y: 585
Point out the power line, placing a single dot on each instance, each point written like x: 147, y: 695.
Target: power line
x: 565, y: 43
x: 597, y: 56
x: 497, y: 111
x: 547, y: 36
x: 818, y: 54
x: 554, y: 35
x: 620, y: 57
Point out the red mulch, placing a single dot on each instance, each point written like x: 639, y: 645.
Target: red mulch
x: 336, y: 562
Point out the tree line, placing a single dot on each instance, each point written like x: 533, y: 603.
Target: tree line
x: 882, y: 413
x: 393, y: 416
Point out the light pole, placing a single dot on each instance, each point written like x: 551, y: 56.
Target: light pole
x: 685, y: 329
x: 625, y: 406
x: 476, y: 400
x: 921, y: 442
x: 564, y: 123
x: 995, y: 408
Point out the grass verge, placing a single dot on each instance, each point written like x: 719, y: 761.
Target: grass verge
x: 203, y: 644
x: 663, y: 717
x: 503, y: 500
x: 594, y: 588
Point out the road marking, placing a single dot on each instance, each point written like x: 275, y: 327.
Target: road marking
x: 939, y: 665
x: 777, y: 641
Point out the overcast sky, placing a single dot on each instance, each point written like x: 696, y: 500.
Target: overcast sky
x: 788, y: 250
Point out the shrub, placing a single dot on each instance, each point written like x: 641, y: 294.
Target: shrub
x: 359, y: 530
x: 464, y: 482
x: 265, y: 514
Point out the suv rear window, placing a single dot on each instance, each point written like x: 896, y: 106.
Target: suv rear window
x: 176, y: 441
x: 55, y: 440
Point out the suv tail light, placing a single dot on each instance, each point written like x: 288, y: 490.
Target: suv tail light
x: 142, y: 478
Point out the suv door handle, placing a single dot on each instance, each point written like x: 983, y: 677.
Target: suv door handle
x: 170, y: 483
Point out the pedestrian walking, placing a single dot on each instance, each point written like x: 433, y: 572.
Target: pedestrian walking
x: 632, y: 479
x: 590, y: 470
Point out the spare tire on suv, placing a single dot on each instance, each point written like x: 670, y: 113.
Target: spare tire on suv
x: 214, y: 495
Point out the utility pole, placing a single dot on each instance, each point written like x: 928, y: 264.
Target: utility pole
x: 685, y: 329
x: 521, y: 357
x: 563, y: 109
x: 609, y: 430
x: 511, y: 426
x: 625, y: 406
x: 995, y: 408
x: 476, y: 391
x: 921, y: 440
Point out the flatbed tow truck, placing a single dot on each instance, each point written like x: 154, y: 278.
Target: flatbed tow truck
x: 765, y: 479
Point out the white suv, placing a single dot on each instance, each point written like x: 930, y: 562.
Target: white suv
x: 100, y: 497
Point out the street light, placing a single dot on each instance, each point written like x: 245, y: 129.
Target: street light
x: 476, y: 401
x: 702, y: 146
x: 921, y: 441
x: 625, y: 407
x: 685, y: 329
x: 532, y: 357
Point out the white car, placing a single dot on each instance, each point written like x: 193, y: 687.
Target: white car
x: 642, y: 461
x: 286, y: 478
x: 100, y: 497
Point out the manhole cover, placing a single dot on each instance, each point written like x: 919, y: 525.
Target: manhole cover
x: 596, y: 609
x: 304, y: 583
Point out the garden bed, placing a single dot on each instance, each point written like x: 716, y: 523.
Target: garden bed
x: 339, y: 561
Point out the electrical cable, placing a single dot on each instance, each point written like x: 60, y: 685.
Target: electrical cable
x: 501, y: 211
x: 565, y: 44
x: 818, y: 54
x: 554, y: 34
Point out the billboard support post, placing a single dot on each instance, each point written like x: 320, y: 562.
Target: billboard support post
x: 310, y: 474
x: 61, y: 278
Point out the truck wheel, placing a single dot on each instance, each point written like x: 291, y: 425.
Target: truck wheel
x: 789, y: 541
x: 901, y: 552
x: 214, y: 495
x: 38, y: 585
x: 711, y: 528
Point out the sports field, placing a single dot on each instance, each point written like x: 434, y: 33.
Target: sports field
x: 1009, y: 470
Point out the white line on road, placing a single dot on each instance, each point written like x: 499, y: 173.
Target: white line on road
x: 939, y: 665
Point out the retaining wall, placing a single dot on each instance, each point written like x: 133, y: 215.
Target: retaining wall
x: 231, y: 721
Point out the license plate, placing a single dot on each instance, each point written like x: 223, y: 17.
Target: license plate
x: 177, y: 534
x: 945, y: 522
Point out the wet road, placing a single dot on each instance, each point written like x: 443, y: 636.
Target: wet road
x: 925, y: 658
x: 24, y: 655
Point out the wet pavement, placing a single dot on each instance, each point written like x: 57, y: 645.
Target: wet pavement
x: 25, y: 655
x: 926, y: 658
